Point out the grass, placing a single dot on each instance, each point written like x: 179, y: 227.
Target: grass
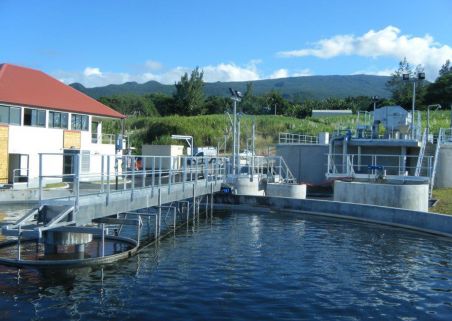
x: 444, y: 197
x: 209, y: 130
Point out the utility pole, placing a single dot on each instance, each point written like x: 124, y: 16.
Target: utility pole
x: 406, y: 77
x: 236, y: 96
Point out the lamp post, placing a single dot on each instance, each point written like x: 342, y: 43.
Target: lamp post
x: 236, y: 96
x: 406, y: 77
x: 375, y: 100
x: 438, y: 106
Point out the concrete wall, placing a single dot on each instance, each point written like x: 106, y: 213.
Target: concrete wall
x: 443, y: 176
x: 308, y: 163
x: 413, y: 197
x: 422, y: 221
x: 243, y: 186
x: 286, y: 190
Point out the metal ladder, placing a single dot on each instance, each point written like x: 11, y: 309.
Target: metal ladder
x: 421, y: 154
x: 435, y: 160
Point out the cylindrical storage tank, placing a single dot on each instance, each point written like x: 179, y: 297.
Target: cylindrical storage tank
x: 443, y: 177
x: 286, y: 190
x: 245, y: 186
x: 410, y: 196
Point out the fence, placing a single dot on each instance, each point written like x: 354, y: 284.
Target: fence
x: 288, y: 138
x: 399, y: 165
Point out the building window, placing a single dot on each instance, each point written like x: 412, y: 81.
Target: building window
x: 10, y: 115
x: 58, y: 120
x: 79, y: 122
x: 34, y: 117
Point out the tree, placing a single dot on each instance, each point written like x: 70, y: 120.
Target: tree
x: 445, y: 69
x: 276, y: 103
x: 250, y: 104
x: 131, y: 105
x: 440, y: 92
x: 189, y: 95
x: 163, y: 103
x: 402, y: 90
x: 217, y: 104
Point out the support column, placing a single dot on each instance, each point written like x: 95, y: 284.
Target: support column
x: 403, y: 159
x: 194, y: 203
x: 211, y: 200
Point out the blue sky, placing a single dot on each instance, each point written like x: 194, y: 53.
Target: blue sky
x: 102, y: 42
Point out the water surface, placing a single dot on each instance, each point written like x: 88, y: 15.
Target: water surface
x: 251, y: 266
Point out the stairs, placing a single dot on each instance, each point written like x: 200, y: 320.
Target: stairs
x: 420, y: 158
x: 40, y: 219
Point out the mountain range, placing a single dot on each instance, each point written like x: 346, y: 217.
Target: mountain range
x: 306, y: 87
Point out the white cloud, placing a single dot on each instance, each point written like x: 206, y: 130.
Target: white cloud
x: 387, y: 42
x: 90, y: 71
x: 230, y: 72
x: 382, y: 72
x: 280, y: 73
x: 94, y: 77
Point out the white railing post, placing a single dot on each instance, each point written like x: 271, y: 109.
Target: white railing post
x: 40, y: 178
x: 102, y: 173
x: 132, y: 163
x: 77, y: 181
x: 108, y: 179
x: 143, y: 169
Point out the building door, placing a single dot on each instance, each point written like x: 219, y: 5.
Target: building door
x: 69, y: 164
x: 19, y: 166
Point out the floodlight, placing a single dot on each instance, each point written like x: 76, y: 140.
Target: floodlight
x: 406, y: 76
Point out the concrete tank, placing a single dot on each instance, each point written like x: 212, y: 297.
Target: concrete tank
x: 244, y: 186
x: 410, y: 196
x: 443, y: 176
x: 286, y: 190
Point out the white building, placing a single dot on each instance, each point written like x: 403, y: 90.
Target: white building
x: 39, y: 114
x: 317, y: 113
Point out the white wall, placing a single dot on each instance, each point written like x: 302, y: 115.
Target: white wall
x: 34, y: 140
x: 31, y: 141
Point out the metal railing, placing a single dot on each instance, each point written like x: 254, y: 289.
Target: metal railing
x: 119, y: 173
x: 288, y: 138
x: 105, y: 138
x: 349, y: 165
x: 19, y: 176
x: 445, y: 136
x: 274, y: 168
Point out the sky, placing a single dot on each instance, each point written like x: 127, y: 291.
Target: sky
x: 105, y: 42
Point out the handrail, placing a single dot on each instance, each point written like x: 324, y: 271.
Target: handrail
x: 289, y: 138
x: 421, y: 153
x: 270, y: 166
x: 16, y: 177
x: 131, y: 172
x: 441, y: 139
x: 357, y: 163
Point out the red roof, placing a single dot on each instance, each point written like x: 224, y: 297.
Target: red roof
x: 28, y: 87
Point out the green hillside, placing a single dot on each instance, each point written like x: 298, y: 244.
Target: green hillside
x: 308, y: 87
x: 157, y: 130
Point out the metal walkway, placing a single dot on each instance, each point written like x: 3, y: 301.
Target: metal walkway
x: 143, y: 182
